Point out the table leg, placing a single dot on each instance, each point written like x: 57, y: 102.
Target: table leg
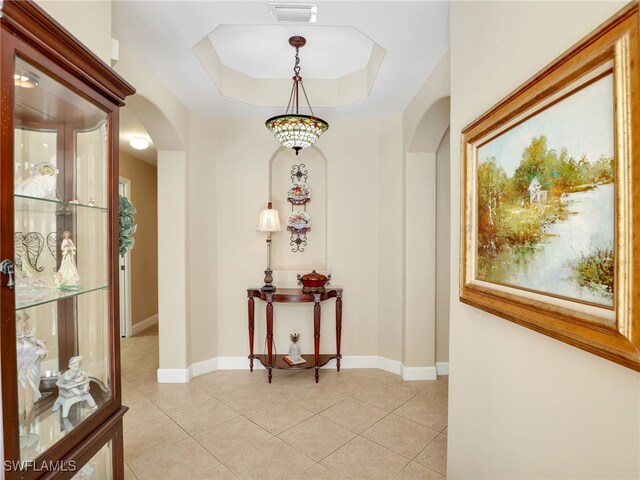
x: 251, y: 331
x: 338, y: 330
x: 269, y: 338
x: 316, y: 338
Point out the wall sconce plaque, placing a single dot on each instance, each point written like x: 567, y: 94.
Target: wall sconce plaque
x: 298, y: 195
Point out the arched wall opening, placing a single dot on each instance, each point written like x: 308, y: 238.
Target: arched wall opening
x: 427, y: 216
x: 173, y: 325
x: 284, y: 164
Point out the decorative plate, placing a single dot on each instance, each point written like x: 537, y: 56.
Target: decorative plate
x: 299, y: 193
x: 299, y: 221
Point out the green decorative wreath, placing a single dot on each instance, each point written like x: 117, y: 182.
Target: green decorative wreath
x: 127, y: 226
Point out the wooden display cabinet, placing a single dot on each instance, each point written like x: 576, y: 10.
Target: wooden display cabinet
x: 59, y: 215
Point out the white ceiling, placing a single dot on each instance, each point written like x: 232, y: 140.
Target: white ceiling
x: 415, y: 35
x: 257, y: 50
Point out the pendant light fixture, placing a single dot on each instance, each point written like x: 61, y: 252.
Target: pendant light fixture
x: 292, y: 129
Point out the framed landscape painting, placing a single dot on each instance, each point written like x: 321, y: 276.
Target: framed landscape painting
x: 548, y: 190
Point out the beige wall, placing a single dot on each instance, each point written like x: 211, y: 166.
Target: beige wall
x: 523, y: 405
x: 443, y: 248
x: 204, y: 276
x: 229, y: 167
x: 89, y: 21
x: 420, y: 252
x: 144, y: 256
x: 241, y: 189
x: 424, y: 123
x: 173, y: 268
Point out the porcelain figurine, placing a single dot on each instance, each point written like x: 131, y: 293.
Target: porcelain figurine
x: 41, y: 183
x: 73, y: 387
x: 30, y: 352
x: 67, y: 276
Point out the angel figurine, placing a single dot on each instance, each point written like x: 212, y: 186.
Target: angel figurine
x: 30, y: 352
x: 67, y: 275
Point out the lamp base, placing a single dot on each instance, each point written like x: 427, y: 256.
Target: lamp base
x: 268, y: 278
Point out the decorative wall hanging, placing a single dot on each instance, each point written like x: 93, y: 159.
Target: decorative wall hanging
x: 299, y: 221
x: 127, y: 225
x: 549, y: 223
x: 292, y: 129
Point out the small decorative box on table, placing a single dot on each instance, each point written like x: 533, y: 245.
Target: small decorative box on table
x: 295, y: 295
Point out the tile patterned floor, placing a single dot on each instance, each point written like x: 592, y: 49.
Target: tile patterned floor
x: 356, y: 424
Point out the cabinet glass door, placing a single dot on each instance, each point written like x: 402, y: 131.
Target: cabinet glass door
x: 61, y: 245
x: 100, y: 467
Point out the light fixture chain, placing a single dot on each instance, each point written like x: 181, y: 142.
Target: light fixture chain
x: 293, y: 130
x: 296, y: 67
x: 291, y: 99
x: 306, y: 98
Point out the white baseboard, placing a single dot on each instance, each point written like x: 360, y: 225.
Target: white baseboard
x: 236, y: 363
x: 356, y: 361
x: 419, y: 373
x: 200, y: 368
x: 443, y: 368
x: 174, y: 375
x: 136, y: 328
x: 183, y: 375
x: 392, y: 366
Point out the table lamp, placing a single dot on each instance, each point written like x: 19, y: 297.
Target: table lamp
x: 269, y: 222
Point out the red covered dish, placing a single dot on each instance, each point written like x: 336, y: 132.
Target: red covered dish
x: 313, y: 282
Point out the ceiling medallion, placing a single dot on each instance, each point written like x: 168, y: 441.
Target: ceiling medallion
x: 292, y: 129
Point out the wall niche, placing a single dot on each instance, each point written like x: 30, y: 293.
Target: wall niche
x: 286, y: 253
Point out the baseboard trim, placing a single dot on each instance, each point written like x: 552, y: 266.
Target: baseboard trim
x: 183, y: 375
x: 392, y: 366
x: 139, y: 327
x: 174, y: 375
x: 442, y: 368
x: 419, y: 373
x: 200, y: 368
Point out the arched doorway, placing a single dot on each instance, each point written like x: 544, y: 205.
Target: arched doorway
x: 427, y: 242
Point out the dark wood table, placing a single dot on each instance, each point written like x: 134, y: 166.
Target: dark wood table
x: 295, y: 295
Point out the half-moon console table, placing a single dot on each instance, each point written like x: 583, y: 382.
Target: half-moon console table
x: 295, y: 295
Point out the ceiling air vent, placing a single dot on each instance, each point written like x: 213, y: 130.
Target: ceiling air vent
x: 289, y: 12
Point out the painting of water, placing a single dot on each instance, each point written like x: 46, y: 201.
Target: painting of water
x: 545, y: 200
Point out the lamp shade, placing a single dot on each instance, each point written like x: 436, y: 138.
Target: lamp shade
x: 297, y: 131
x: 269, y: 220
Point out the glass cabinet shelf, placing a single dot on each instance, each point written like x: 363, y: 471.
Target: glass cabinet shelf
x: 49, y: 427
x: 43, y: 205
x: 28, y: 296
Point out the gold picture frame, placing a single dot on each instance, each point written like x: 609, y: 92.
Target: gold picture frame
x: 520, y: 214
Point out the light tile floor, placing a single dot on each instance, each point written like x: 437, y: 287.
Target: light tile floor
x: 357, y: 424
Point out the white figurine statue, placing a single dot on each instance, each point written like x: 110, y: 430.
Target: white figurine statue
x: 30, y: 352
x: 67, y: 275
x: 73, y: 387
x: 41, y: 183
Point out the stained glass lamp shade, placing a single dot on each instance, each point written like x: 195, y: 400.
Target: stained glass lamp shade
x: 292, y: 129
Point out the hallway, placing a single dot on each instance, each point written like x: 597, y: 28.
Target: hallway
x: 360, y: 424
